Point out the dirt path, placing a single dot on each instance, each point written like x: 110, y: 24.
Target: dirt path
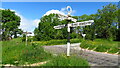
x: 20, y: 66
x: 94, y: 58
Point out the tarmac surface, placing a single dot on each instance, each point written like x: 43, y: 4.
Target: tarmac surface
x: 94, y: 58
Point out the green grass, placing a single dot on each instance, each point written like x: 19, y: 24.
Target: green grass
x: 67, y: 61
x: 101, y: 45
x: 15, y: 50
x: 55, y: 42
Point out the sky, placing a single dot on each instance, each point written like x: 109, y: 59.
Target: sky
x: 31, y: 12
x: 60, y: 0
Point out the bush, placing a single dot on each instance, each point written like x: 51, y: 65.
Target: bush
x: 73, y: 35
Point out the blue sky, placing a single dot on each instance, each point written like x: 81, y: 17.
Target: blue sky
x: 60, y: 0
x: 31, y: 12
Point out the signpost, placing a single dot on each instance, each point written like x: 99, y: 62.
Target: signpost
x: 83, y: 36
x: 76, y: 24
x: 26, y: 36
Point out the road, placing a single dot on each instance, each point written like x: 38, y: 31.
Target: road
x: 94, y: 58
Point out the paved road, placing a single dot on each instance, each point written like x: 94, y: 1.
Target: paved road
x: 94, y: 58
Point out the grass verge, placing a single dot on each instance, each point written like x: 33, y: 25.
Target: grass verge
x: 101, y: 45
x: 67, y: 61
x: 17, y: 53
x: 55, y: 42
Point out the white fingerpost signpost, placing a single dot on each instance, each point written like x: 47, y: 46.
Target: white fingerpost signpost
x: 83, y: 36
x: 26, y: 36
x: 76, y: 24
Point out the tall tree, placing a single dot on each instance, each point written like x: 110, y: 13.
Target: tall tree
x: 118, y: 17
x: 9, y: 22
x: 45, y: 30
x: 105, y: 18
x: 88, y: 30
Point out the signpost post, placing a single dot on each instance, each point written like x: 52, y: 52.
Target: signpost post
x: 26, y: 36
x: 76, y: 24
x: 83, y: 36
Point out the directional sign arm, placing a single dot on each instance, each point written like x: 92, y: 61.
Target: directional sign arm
x: 59, y: 26
x: 72, y: 19
x: 69, y: 18
x: 84, y: 23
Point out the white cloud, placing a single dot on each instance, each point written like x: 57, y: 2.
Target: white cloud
x: 30, y: 25
x: 64, y: 10
x: 54, y: 12
x: 26, y: 24
x: 36, y: 22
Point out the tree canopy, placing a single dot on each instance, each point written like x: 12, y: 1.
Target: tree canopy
x: 9, y: 22
x: 106, y: 25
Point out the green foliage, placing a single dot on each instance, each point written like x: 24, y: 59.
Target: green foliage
x: 23, y: 38
x: 29, y: 38
x: 106, y: 17
x: 33, y: 54
x: 102, y: 48
x: 56, y: 42
x: 90, y: 32
x: 101, y: 45
x: 16, y: 50
x: 118, y: 34
x: 73, y: 35
x: 9, y: 22
x: 105, y: 23
x: 45, y: 30
x: 67, y: 61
